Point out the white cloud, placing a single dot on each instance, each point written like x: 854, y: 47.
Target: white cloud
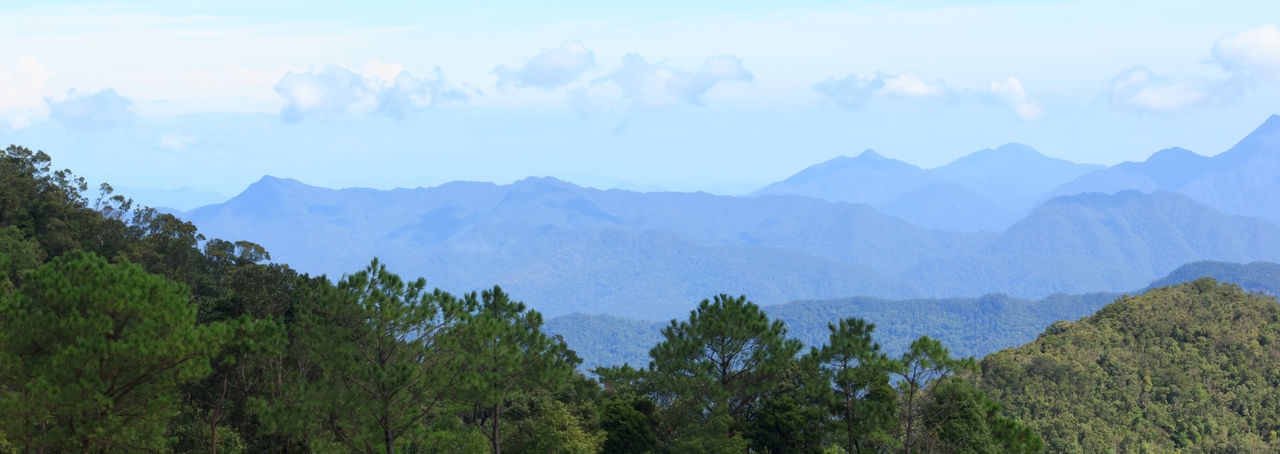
x: 1247, y: 57
x: 1140, y: 89
x: 660, y: 86
x: 102, y: 109
x: 550, y: 68
x: 22, y: 93
x: 1253, y: 52
x: 410, y: 94
x: 383, y: 88
x: 855, y: 89
x: 175, y: 141
x: 1015, y: 96
x: 325, y: 91
x: 912, y: 86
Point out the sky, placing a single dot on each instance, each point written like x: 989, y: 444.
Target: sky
x: 721, y: 96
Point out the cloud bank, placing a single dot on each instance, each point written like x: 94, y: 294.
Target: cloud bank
x: 550, y: 68
x: 1251, y: 53
x: 857, y: 89
x: 382, y: 88
x: 654, y: 86
x: 1140, y: 89
x: 409, y: 94
x: 99, y: 110
x: 854, y: 90
x: 1248, y: 57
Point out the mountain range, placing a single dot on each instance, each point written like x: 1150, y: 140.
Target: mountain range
x: 983, y: 191
x: 566, y: 249
x: 968, y: 326
x: 1243, y: 180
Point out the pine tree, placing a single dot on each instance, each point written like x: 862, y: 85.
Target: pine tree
x: 93, y: 355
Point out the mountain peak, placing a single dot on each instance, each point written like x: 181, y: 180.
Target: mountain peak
x: 543, y: 185
x: 1173, y: 154
x: 268, y: 182
x: 870, y: 154
x: 1017, y: 148
x: 1272, y: 123
x: 1011, y: 153
x: 1265, y: 139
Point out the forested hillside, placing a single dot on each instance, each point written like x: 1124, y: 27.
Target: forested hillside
x: 1192, y: 367
x: 125, y: 330
x: 969, y: 326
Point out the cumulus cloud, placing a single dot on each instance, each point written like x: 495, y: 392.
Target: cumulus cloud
x: 1013, y: 95
x: 550, y: 68
x: 324, y: 91
x: 102, y: 109
x: 1254, y: 53
x: 410, y: 94
x: 1139, y: 89
x: 1247, y: 57
x: 855, y: 89
x: 22, y: 93
x: 660, y: 86
x: 383, y: 88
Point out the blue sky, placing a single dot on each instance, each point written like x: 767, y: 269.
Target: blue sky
x: 722, y: 96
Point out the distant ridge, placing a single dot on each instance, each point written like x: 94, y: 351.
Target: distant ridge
x: 1243, y: 180
x: 603, y: 340
x: 1254, y: 277
x: 983, y: 191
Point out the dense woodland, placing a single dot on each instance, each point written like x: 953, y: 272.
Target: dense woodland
x: 124, y: 330
x: 1194, y: 367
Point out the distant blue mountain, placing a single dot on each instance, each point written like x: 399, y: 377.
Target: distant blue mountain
x: 564, y: 248
x: 984, y: 191
x: 1099, y: 242
x: 1253, y: 277
x: 1012, y: 172
x: 1243, y: 180
x: 948, y: 206
x: 868, y: 178
x: 171, y: 200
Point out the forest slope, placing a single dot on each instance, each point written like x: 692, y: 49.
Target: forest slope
x: 1194, y: 367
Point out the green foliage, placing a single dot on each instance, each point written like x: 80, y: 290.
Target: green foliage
x: 781, y: 424
x: 961, y: 418
x: 629, y: 426
x: 376, y: 342
x: 93, y: 354
x: 506, y: 354
x: 854, y: 388
x: 714, y: 368
x: 541, y: 424
x: 1190, y: 367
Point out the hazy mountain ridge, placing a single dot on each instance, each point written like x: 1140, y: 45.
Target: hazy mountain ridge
x: 565, y: 248
x: 969, y: 326
x: 1243, y: 180
x: 983, y: 191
